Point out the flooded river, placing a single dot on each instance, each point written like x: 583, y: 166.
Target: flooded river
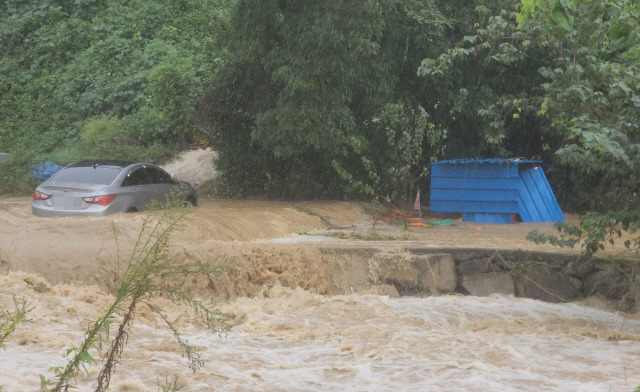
x: 292, y: 339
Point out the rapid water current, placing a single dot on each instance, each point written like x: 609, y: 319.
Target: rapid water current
x: 293, y: 340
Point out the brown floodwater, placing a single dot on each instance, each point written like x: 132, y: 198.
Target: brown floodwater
x: 294, y: 340
x: 285, y: 339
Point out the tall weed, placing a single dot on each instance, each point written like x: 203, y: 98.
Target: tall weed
x: 149, y: 272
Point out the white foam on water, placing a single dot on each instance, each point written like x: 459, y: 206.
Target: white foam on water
x: 293, y: 340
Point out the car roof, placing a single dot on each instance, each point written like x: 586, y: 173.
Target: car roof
x: 100, y: 162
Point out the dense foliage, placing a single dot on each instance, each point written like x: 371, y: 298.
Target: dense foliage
x: 102, y: 78
x: 392, y: 172
x: 557, y: 84
x: 306, y: 82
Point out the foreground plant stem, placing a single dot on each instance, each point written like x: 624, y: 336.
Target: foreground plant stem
x: 117, y: 345
x: 148, y: 271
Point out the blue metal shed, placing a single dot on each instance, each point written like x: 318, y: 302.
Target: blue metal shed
x: 493, y: 190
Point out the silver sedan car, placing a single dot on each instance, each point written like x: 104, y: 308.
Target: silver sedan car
x: 100, y: 187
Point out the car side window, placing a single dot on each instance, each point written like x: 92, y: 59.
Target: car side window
x: 136, y: 177
x: 157, y: 176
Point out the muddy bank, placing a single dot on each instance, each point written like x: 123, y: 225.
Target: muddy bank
x: 90, y: 250
x: 406, y: 271
x: 271, y: 243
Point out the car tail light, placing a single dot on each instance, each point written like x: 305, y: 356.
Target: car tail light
x: 101, y: 200
x: 37, y: 195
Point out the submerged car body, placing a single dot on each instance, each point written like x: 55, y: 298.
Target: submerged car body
x: 101, y: 187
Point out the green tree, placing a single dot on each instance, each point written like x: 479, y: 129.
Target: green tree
x: 410, y: 142
x: 303, y: 80
x: 593, y: 98
x: 174, y: 89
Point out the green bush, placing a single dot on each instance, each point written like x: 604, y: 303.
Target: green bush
x: 105, y: 137
x: 15, y: 175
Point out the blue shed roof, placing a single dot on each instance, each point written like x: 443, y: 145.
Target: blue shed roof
x: 487, y: 160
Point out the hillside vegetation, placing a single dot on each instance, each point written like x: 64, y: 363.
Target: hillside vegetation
x: 328, y: 99
x: 103, y: 78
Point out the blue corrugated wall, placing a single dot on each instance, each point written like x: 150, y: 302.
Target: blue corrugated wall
x: 489, y: 191
x: 537, y: 203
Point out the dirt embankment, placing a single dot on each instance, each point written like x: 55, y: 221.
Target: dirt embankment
x: 268, y: 242
x: 91, y: 250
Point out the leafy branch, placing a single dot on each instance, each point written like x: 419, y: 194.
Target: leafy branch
x: 148, y: 270
x: 10, y: 320
x: 594, y: 232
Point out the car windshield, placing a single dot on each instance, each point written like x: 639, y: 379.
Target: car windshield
x: 102, y: 175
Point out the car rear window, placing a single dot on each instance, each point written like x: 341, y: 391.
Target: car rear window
x: 102, y: 175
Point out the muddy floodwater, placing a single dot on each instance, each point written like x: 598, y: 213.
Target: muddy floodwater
x: 291, y: 338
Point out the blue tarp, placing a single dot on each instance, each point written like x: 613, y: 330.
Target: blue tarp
x: 45, y: 170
